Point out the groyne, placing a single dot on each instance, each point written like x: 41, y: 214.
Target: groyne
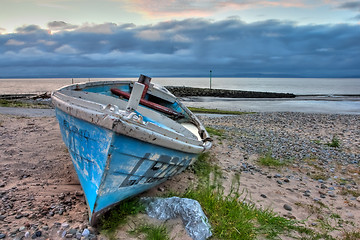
x: 224, y: 93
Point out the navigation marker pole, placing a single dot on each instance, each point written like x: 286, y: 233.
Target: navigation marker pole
x: 210, y: 78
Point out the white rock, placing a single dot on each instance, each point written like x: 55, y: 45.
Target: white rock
x: 86, y: 232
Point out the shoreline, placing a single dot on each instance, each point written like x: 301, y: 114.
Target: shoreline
x: 334, y: 104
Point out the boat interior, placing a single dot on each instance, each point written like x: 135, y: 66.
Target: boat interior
x: 157, y: 107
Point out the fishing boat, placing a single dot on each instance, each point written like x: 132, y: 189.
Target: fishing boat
x: 125, y: 137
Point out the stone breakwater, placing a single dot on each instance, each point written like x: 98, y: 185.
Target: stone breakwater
x: 224, y: 93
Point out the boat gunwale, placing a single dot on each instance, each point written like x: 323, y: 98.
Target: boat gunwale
x: 118, y: 123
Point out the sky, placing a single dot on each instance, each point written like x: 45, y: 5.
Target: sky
x: 125, y: 38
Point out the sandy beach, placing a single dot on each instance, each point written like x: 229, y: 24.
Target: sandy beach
x: 41, y: 197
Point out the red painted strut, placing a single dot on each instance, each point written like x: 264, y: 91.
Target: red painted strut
x: 147, y: 103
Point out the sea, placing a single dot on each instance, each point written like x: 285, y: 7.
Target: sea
x: 314, y: 95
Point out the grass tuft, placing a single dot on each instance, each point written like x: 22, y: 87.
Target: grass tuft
x: 270, y: 161
x: 152, y: 232
x: 203, y: 167
x: 354, y: 193
x: 118, y: 216
x: 216, y: 132
x: 216, y: 111
x: 232, y: 218
x: 318, y: 176
x: 335, y: 142
x: 13, y: 103
x: 351, y: 235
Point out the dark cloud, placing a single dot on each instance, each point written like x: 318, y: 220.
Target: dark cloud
x: 351, y: 5
x: 29, y: 29
x: 60, y: 25
x: 189, y: 47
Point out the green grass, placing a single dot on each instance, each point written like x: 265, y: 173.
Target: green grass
x: 232, y: 218
x: 354, y: 193
x: 352, y: 235
x: 270, y: 161
x: 319, y: 176
x: 216, y: 132
x: 202, y: 168
x: 335, y: 142
x: 152, y: 232
x: 118, y: 216
x: 216, y: 111
x: 13, y: 103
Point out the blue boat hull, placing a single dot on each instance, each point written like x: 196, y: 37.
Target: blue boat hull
x: 112, y: 167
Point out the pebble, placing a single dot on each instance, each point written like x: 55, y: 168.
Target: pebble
x: 72, y: 231
x: 331, y: 194
x: 63, y: 234
x: 161, y: 189
x: 263, y: 195
x: 2, y: 235
x: 358, y: 199
x: 36, y: 234
x: 78, y: 235
x: 79, y: 194
x: 64, y: 225
x: 86, y: 232
x: 287, y: 207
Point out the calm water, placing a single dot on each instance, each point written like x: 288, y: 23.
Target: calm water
x: 335, y: 91
x: 298, y: 86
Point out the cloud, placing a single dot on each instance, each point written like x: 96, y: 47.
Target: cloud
x: 13, y: 42
x: 65, y: 49
x: 26, y: 29
x: 60, y: 25
x: 190, y: 47
x: 351, y: 6
x: 106, y: 28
